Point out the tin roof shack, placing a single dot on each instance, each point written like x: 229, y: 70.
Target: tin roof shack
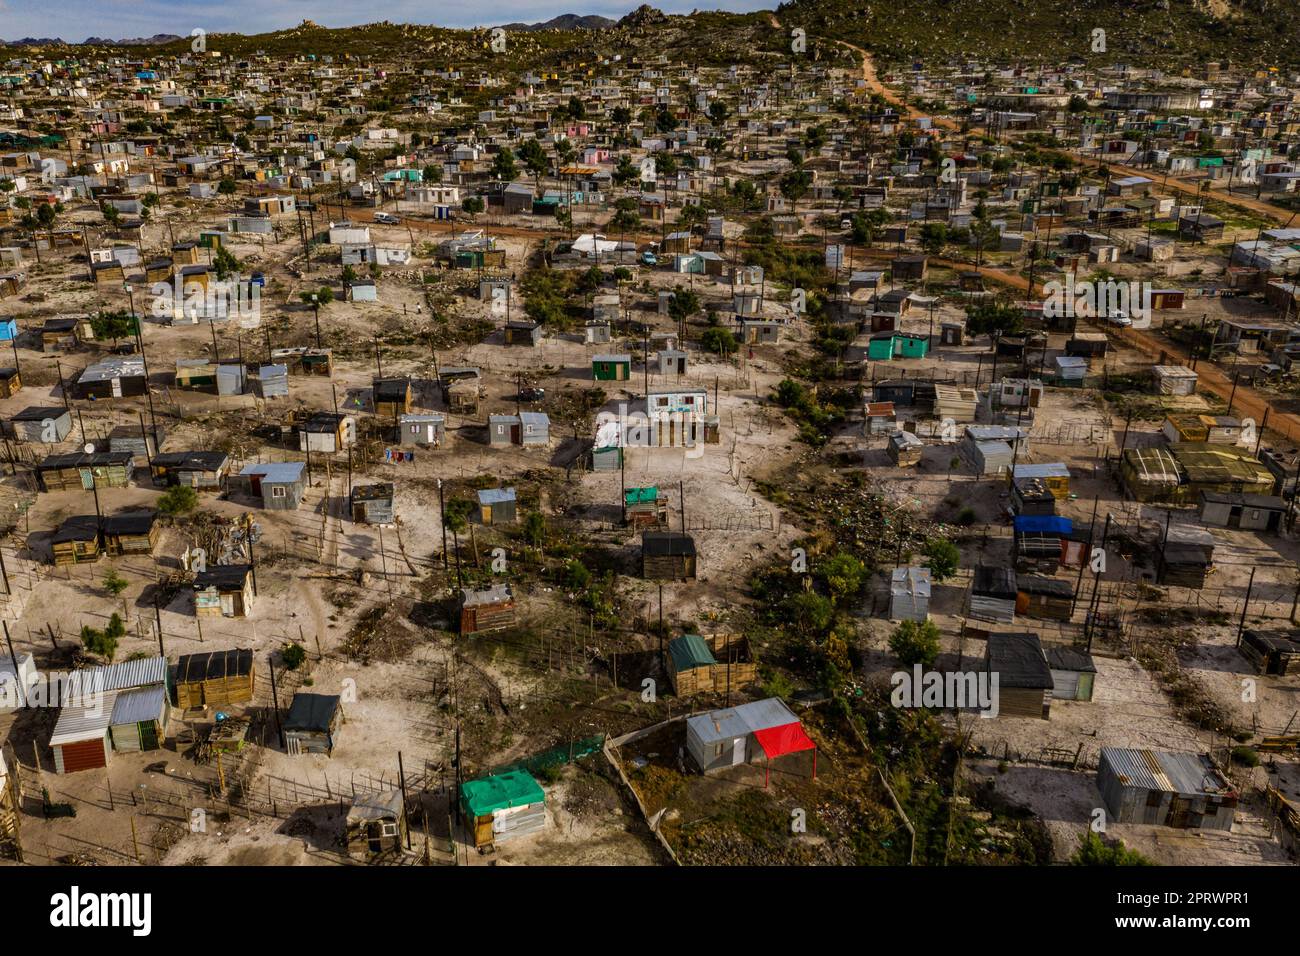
x: 115, y: 377
x: 15, y: 685
x: 878, y: 418
x: 280, y: 485
x: 1201, y: 429
x: 645, y: 507
x: 201, y: 470
x: 1247, y: 512
x: 611, y: 368
x: 312, y: 724
x: 326, y: 432
x: 1055, y: 476
x: 460, y: 389
x: 421, y: 429
x: 1220, y: 468
x: 993, y: 594
x: 991, y: 449
x: 909, y: 594
x: 214, y: 679
x: 521, y: 332
x: 490, y: 609
x: 760, y: 730
x: 1024, y: 678
x: 716, y: 663
x: 1073, y: 672
x: 1185, y: 791
x: 305, y: 361
x: 1150, y: 474
x: 667, y: 556
x: 226, y: 590
x: 502, y: 807
x: 1174, y: 380
x: 1087, y: 345
x: 391, y: 396
x: 80, y: 738
x: 1184, y: 557
x: 1271, y: 653
x: 375, y: 825
x: 497, y: 506
x: 139, y: 719
x: 49, y: 424
x: 81, y: 471
x: 904, y: 449
x: 142, y: 444
x: 1041, y: 597
x: 372, y: 504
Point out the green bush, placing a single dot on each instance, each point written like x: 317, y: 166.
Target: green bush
x: 178, y: 500
x: 293, y: 656
x: 915, y: 642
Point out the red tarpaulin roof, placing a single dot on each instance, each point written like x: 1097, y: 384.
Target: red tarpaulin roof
x: 779, y: 741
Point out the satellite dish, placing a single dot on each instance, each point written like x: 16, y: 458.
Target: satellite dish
x: 89, y: 448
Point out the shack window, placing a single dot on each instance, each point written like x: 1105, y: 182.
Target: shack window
x: 390, y: 829
x: 717, y: 750
x: 277, y: 491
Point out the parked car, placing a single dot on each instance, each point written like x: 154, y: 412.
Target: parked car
x: 531, y: 394
x: 649, y: 259
x: 1119, y: 318
x: 388, y: 219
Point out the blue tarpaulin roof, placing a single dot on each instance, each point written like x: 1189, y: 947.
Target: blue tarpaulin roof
x: 1051, y: 524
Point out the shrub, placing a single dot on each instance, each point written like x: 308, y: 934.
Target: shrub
x: 1093, y: 851
x: 915, y: 642
x: 178, y: 500
x: 293, y: 656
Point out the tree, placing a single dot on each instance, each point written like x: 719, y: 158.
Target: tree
x: 934, y: 235
x: 472, y: 205
x: 324, y: 296
x: 104, y: 643
x: 114, y: 325
x: 718, y: 112
x: 994, y: 318
x: 431, y: 173
x: 504, y: 165
x: 178, y: 500
x: 456, y: 514
x: 1094, y: 851
x: 843, y: 575
x: 682, y: 304
x: 293, y: 655
x: 224, y: 263
x: 719, y: 340
x: 944, y: 558
x: 794, y: 185
x: 915, y: 642
x: 534, y: 528
x: 226, y: 187
x: 577, y: 109
x: 115, y: 585
x: 534, y: 160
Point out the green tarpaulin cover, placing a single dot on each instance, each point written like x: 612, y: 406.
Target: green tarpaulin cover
x: 479, y: 798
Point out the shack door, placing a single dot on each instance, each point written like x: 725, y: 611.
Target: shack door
x: 148, y: 735
x: 255, y: 485
x: 681, y: 365
x: 515, y: 436
x: 117, y: 387
x: 228, y: 603
x: 738, y: 751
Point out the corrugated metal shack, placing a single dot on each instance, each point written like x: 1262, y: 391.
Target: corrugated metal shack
x: 1185, y: 791
x: 312, y: 724
x: 904, y: 449
x: 1150, y: 474
x: 139, y: 719
x: 993, y: 595
x: 372, y: 504
x: 1040, y: 541
x: 503, y: 807
x: 645, y: 507
x: 40, y: 424
x: 1073, y: 672
x: 909, y: 594
x: 375, y: 825
x: 421, y: 429
x: 1024, y: 677
x: 280, y: 485
x: 1247, y: 512
x: 497, y: 506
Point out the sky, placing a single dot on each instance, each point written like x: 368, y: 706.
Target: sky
x: 75, y: 20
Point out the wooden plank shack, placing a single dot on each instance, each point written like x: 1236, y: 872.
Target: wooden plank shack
x: 712, y: 663
x: 214, y: 679
x: 667, y: 556
x: 79, y: 471
x: 492, y: 609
